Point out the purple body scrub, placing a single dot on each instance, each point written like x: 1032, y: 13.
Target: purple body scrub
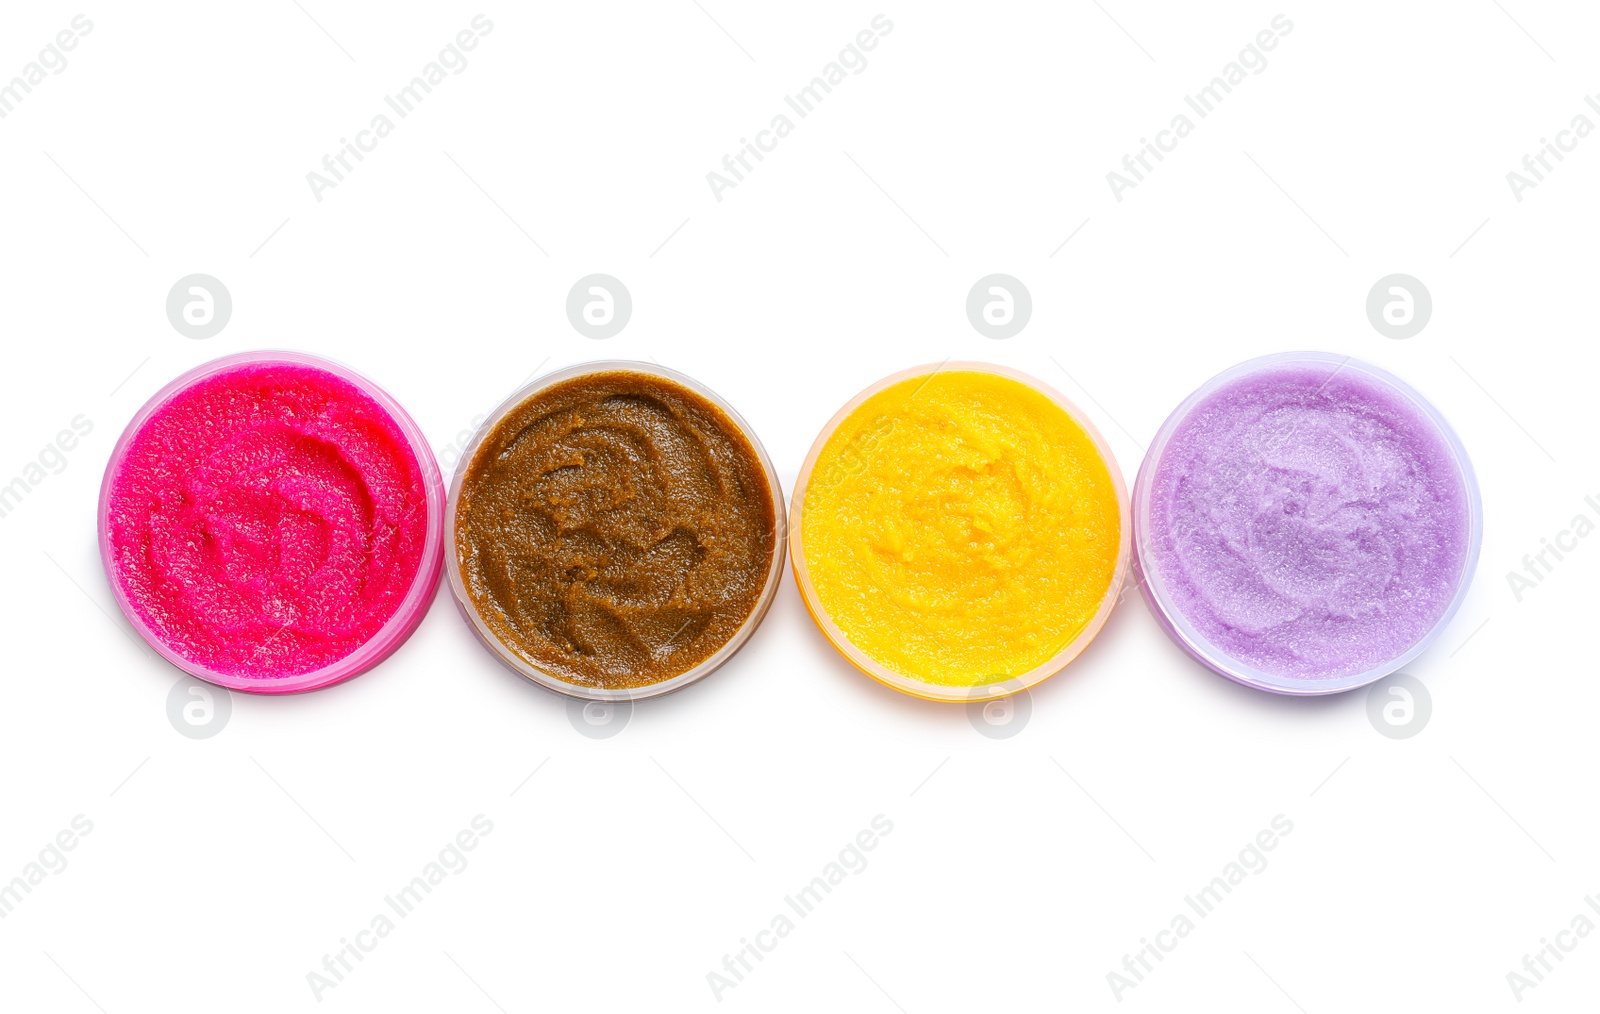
x: 1305, y: 523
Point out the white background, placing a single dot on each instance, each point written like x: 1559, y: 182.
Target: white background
x: 1019, y: 871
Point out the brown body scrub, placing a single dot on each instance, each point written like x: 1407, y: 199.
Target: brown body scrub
x: 615, y: 530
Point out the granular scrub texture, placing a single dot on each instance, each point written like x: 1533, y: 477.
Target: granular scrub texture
x: 960, y: 528
x: 268, y: 520
x: 1309, y: 521
x: 614, y: 530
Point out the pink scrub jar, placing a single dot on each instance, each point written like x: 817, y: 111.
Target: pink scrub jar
x: 272, y: 522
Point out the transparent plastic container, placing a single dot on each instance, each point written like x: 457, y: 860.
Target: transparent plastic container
x: 910, y: 684
x: 388, y: 637
x: 553, y: 681
x: 1148, y: 570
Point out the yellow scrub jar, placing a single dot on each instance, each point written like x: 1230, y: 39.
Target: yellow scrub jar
x: 960, y: 532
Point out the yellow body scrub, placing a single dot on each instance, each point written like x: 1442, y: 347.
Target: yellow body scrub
x: 960, y: 533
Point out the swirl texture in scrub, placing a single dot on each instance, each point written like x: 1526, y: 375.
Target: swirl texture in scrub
x: 266, y: 520
x: 1308, y: 520
x: 615, y: 529
x: 961, y: 528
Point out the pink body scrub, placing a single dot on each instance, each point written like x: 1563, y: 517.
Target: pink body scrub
x: 272, y: 523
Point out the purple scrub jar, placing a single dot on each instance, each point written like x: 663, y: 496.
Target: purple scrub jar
x: 1305, y: 523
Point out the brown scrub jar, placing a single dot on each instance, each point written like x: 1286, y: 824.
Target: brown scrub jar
x: 616, y: 531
